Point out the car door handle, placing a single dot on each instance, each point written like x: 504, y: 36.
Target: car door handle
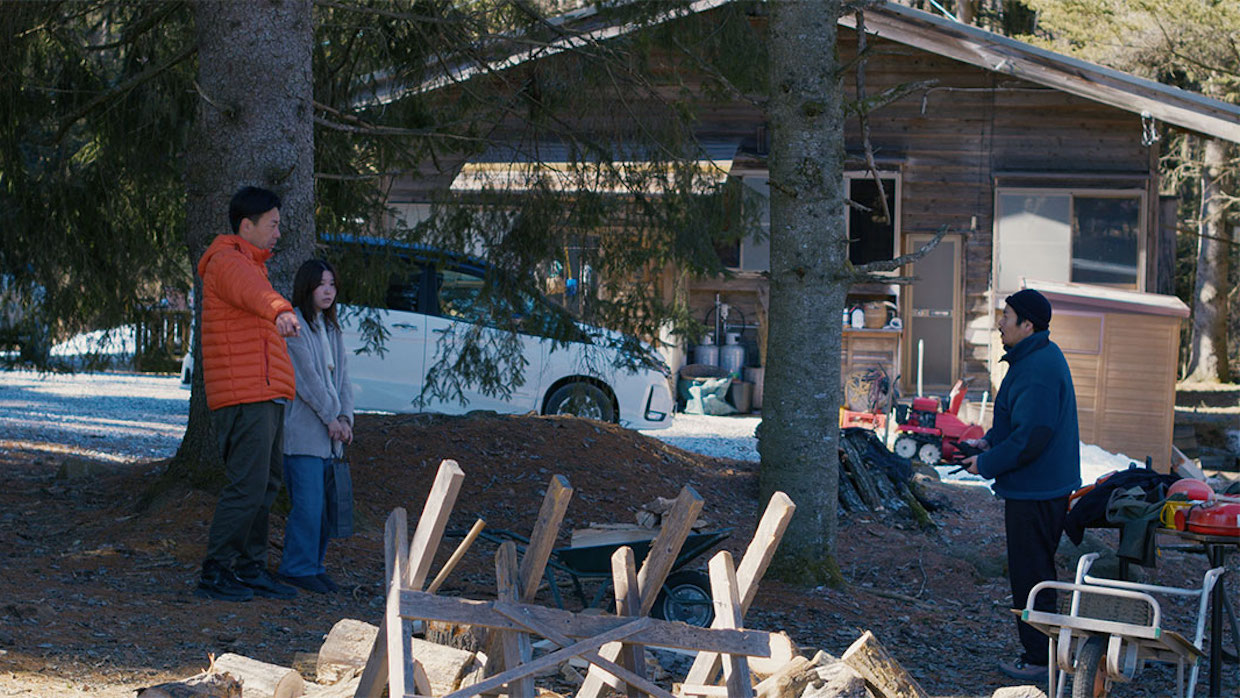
x: 404, y: 326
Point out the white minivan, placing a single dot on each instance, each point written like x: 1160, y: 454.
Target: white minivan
x: 436, y: 300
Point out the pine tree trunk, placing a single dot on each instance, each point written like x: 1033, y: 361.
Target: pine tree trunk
x: 254, y: 126
x: 1208, y: 356
x: 799, y: 435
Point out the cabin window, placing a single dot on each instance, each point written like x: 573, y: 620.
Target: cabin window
x: 753, y: 251
x: 1084, y: 236
x: 872, y: 237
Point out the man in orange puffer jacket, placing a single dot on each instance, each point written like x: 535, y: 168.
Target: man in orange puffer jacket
x: 249, y: 378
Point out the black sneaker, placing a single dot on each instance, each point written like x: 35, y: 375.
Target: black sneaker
x: 219, y: 583
x: 263, y: 584
x: 328, y: 582
x: 308, y: 582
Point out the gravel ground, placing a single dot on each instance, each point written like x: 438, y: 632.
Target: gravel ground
x: 111, y: 416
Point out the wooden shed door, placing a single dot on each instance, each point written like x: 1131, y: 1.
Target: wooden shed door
x: 931, y: 314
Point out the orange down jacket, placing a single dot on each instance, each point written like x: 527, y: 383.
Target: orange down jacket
x: 244, y: 359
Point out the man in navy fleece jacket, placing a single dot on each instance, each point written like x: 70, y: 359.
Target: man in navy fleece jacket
x: 1033, y: 454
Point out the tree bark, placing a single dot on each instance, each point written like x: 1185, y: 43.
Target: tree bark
x: 809, y: 281
x: 1208, y: 355
x: 254, y: 126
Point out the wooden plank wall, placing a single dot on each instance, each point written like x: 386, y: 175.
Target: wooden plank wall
x: 956, y: 137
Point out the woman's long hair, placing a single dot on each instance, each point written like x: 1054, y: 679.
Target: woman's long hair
x: 308, y: 278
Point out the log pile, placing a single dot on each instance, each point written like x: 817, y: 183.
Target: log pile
x: 873, y: 478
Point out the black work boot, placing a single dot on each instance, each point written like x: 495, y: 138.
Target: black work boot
x: 219, y: 583
x: 262, y: 583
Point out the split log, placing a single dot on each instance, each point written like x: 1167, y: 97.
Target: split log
x: 849, y: 497
x: 344, y: 689
x: 882, y: 673
x: 344, y: 652
x: 837, y: 680
x: 865, y: 482
x: 204, y: 685
x: 788, y: 682
x: 260, y: 679
x: 783, y: 651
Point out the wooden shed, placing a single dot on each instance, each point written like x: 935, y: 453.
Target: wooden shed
x: 1123, y: 349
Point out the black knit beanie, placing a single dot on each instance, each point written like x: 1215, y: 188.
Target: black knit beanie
x: 1032, y: 306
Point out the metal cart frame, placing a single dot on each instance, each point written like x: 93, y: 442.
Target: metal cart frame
x: 1126, y: 616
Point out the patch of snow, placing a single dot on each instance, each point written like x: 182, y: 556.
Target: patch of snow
x: 118, y: 341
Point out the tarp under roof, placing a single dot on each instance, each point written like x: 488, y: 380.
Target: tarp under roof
x: 632, y: 169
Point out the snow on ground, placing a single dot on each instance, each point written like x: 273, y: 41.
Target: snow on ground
x: 126, y: 416
x: 118, y: 341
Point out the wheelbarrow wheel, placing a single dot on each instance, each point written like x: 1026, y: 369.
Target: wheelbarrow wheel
x: 1090, y: 678
x: 685, y: 597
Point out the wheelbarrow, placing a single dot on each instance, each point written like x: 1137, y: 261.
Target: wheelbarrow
x: 685, y: 595
x: 1109, y: 628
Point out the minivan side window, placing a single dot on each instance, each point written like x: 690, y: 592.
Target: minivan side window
x: 403, y: 290
x: 458, y: 293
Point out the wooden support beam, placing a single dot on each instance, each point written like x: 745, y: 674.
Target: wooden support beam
x: 403, y: 674
x: 514, y: 645
x: 439, y: 503
x: 542, y: 537
x: 664, y: 549
x: 628, y: 603
x: 420, y: 605
x: 727, y: 597
x: 518, y: 674
x: 521, y: 616
x: 537, y: 552
x: 753, y: 567
x: 429, y: 533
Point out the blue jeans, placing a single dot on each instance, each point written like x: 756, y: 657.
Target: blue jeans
x: 305, y: 534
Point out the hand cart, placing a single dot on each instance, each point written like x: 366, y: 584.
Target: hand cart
x: 685, y: 595
x: 1110, y: 628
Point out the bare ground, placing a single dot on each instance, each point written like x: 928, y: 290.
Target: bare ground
x: 96, y: 597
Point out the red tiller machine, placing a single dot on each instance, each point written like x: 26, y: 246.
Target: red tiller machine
x: 931, y: 431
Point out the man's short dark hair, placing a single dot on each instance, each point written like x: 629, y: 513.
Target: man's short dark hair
x: 252, y: 203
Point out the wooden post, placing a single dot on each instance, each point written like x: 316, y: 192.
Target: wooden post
x: 542, y: 537
x: 402, y: 671
x: 429, y: 533
x: 726, y: 594
x: 515, y: 646
x: 534, y: 561
x: 628, y: 603
x: 882, y: 673
x: 439, y: 503
x: 753, y: 566
x: 664, y: 549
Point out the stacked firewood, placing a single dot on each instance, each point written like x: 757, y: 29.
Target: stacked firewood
x: 873, y: 478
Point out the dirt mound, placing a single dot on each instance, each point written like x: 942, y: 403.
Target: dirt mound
x: 97, y: 598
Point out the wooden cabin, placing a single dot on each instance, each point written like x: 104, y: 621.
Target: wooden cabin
x: 1039, y: 166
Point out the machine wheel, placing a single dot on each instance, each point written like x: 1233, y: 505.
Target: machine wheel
x: 930, y: 453
x: 906, y: 447
x: 1090, y: 678
x: 583, y: 400
x: 685, y: 597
